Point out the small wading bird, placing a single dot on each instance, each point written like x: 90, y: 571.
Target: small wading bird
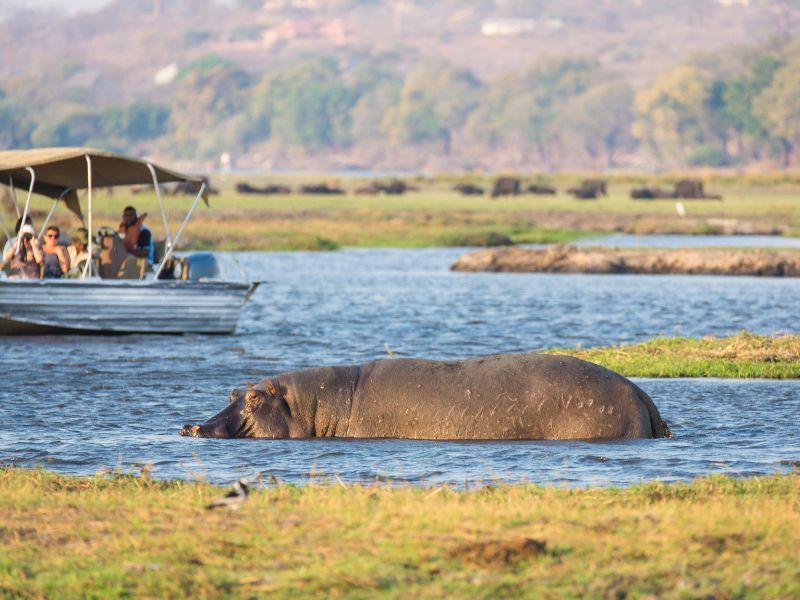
x: 233, y: 500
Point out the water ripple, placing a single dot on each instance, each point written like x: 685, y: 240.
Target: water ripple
x: 112, y: 402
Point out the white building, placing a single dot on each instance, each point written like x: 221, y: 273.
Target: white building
x: 508, y: 26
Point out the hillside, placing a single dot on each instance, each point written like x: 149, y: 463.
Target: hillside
x: 199, y: 56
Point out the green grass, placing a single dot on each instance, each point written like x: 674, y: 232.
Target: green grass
x: 123, y: 536
x: 437, y: 216
x: 741, y: 356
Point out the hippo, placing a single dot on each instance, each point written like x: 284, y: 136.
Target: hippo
x: 501, y: 397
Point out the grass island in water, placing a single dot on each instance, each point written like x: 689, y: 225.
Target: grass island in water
x: 744, y: 355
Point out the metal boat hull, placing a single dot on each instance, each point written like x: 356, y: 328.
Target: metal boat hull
x: 120, y: 306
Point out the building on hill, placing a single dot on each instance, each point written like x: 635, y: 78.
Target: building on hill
x: 279, y: 5
x: 336, y: 31
x: 507, y: 27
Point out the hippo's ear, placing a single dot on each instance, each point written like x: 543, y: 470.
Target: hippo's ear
x: 274, y: 389
x: 253, y: 399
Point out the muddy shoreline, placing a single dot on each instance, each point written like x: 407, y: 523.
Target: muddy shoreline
x: 570, y: 259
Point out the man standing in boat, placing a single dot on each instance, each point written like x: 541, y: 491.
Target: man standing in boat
x: 136, y: 236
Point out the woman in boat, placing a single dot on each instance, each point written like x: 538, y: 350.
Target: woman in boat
x: 78, y: 254
x: 24, y: 255
x: 56, y: 259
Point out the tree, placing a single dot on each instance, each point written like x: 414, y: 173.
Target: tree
x: 732, y: 104
x: 531, y: 110
x: 600, y: 120
x: 435, y: 100
x: 76, y: 128
x: 377, y: 83
x: 672, y: 114
x: 778, y: 106
x: 206, y: 102
x: 135, y: 122
x: 16, y: 124
x: 304, y: 104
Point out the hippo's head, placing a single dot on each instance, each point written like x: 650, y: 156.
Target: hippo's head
x: 259, y: 411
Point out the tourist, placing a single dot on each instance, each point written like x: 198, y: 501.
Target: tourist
x: 136, y: 237
x: 24, y: 254
x: 78, y: 252
x: 56, y: 258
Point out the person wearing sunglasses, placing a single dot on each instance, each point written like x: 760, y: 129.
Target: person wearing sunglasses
x: 56, y: 259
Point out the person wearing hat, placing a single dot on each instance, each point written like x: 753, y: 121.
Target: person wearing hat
x: 8, y: 249
x: 78, y: 253
x: 23, y: 253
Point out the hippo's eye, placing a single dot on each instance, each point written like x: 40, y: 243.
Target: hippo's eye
x: 253, y: 399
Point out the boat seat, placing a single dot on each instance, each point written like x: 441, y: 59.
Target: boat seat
x: 159, y: 250
x: 134, y: 268
x: 112, y: 253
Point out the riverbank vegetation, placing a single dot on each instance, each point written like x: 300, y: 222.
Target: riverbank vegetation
x: 744, y: 355
x: 435, y: 215
x: 119, y: 536
x: 406, y: 103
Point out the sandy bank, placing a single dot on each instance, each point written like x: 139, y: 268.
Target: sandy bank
x: 569, y: 259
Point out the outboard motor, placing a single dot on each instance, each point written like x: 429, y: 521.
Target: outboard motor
x: 199, y: 265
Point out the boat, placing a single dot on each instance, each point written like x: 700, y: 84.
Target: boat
x: 197, y: 297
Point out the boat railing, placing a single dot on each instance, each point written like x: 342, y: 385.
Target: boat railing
x: 91, y: 267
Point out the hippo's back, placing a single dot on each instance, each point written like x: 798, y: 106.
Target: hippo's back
x: 527, y: 396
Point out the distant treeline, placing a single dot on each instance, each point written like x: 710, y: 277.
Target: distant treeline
x: 729, y: 108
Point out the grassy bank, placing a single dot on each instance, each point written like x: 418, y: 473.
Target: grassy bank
x: 741, y: 356
x: 124, y: 536
x: 437, y: 216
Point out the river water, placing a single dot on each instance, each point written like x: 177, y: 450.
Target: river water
x: 77, y: 404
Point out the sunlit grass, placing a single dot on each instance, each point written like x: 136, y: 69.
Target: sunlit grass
x: 433, y: 216
x: 741, y: 356
x: 119, y: 536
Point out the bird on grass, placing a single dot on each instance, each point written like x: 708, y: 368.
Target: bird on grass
x: 233, y: 500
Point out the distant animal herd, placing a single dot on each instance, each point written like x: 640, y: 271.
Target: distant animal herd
x: 587, y: 189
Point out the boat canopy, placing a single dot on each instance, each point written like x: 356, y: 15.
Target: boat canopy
x: 60, y: 172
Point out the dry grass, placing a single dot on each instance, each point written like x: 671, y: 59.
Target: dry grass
x: 123, y: 536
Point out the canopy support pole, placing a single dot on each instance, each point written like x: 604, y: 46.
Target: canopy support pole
x: 50, y: 214
x: 13, y: 194
x: 27, y: 206
x: 169, y: 252
x: 161, y: 205
x: 88, y: 264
